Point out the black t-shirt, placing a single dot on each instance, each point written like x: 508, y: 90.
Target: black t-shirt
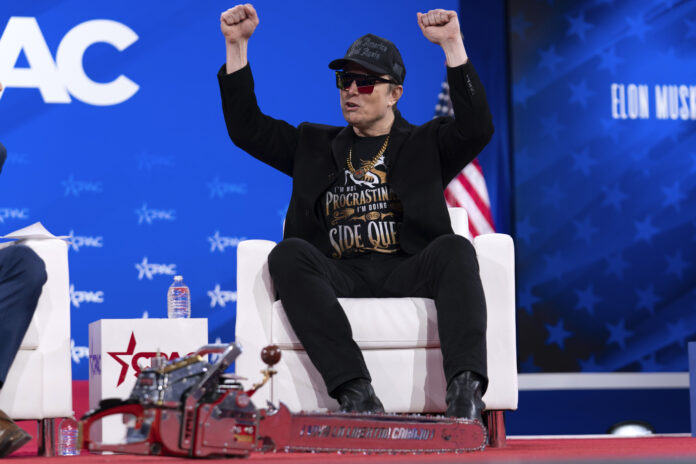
x: 362, y: 213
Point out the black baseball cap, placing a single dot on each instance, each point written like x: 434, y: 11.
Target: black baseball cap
x: 374, y: 54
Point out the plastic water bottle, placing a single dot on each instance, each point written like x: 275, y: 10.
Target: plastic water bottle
x: 178, y: 299
x: 67, y: 437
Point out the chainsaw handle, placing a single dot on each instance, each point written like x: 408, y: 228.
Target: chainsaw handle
x: 213, y: 348
x: 84, y: 439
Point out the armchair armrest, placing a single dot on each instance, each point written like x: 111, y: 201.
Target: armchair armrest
x: 255, y: 297
x: 496, y: 256
x: 39, y: 384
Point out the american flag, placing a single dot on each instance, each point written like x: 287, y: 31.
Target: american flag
x: 468, y: 189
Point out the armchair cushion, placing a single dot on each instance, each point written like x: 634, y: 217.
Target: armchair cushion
x: 376, y: 322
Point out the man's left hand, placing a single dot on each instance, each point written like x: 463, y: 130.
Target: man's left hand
x: 440, y: 26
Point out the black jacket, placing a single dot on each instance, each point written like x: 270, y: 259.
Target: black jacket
x: 3, y: 155
x: 421, y: 161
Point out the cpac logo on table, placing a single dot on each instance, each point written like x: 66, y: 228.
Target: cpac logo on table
x: 57, y: 80
x: 138, y: 360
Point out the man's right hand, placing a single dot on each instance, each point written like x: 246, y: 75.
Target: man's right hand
x: 238, y: 23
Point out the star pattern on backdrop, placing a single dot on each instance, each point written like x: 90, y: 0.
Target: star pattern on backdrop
x: 579, y: 93
x: 587, y: 299
x: 618, y: 333
x: 554, y: 265
x: 673, y: 196
x: 578, y: 26
x: 605, y: 232
x: 582, y: 161
x: 525, y: 229
x: 637, y: 27
x: 526, y: 300
x: 616, y: 265
x: 551, y: 126
x: 522, y: 92
x: 519, y: 25
x: 609, y: 60
x: 613, y: 196
x: 676, y: 265
x: 648, y: 364
x: 611, y: 129
x: 584, y: 230
x: 589, y: 364
x: 647, y: 299
x: 557, y: 334
x: 679, y: 332
x: 552, y: 194
x: 549, y: 59
x: 645, y: 230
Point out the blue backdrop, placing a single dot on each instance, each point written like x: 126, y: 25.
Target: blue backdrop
x: 115, y: 136
x: 150, y: 185
x: 604, y: 97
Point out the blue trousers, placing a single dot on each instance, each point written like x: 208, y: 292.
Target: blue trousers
x: 22, y: 276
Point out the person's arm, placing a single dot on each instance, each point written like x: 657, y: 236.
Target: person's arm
x: 442, y: 27
x: 464, y: 137
x: 3, y: 156
x: 237, y: 25
x: 272, y: 141
x: 3, y: 152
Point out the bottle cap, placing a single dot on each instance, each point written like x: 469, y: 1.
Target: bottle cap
x: 177, y: 278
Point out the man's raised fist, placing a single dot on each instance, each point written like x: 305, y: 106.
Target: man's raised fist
x: 239, y: 22
x: 439, y: 26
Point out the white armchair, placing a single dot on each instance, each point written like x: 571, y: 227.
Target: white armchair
x: 39, y: 383
x: 398, y: 337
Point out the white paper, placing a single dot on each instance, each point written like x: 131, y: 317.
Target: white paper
x: 34, y: 231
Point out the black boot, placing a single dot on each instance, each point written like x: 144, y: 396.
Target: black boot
x: 357, y: 395
x: 463, y: 397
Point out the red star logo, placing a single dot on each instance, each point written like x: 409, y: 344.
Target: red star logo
x: 124, y: 365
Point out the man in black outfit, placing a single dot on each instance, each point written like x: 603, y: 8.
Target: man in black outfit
x: 22, y: 275
x: 367, y: 216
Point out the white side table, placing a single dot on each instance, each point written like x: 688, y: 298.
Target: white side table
x: 119, y: 348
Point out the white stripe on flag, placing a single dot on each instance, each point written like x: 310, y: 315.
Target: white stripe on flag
x: 475, y: 178
x: 459, y: 192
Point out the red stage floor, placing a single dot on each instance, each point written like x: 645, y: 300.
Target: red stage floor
x: 658, y: 449
x: 596, y: 449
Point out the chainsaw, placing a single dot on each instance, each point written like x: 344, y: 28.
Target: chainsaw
x: 190, y: 407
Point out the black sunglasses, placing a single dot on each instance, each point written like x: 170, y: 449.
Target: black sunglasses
x: 365, y: 82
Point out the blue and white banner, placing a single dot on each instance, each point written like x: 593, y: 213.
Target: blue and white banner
x: 604, y: 96
x: 112, y: 120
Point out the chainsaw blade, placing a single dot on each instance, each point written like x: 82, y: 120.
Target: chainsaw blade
x: 281, y: 430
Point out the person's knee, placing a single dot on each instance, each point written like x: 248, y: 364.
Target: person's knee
x: 284, y: 255
x: 27, y: 264
x: 454, y: 246
x: 454, y: 250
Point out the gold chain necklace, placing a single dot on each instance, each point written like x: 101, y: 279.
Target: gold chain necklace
x: 365, y: 165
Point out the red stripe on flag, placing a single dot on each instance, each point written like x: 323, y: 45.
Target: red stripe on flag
x: 483, y: 208
x: 466, y: 193
x: 473, y: 230
x: 451, y: 200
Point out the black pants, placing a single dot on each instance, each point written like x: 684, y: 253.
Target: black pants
x: 22, y: 275
x: 447, y: 271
